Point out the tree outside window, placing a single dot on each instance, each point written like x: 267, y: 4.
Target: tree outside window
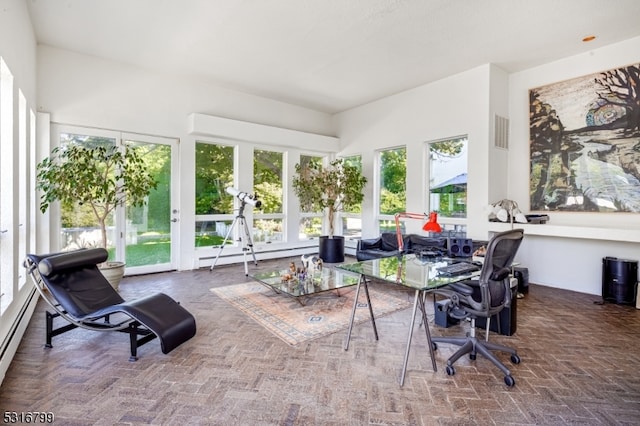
x: 268, y: 186
x: 214, y: 173
x: 310, y: 222
x: 393, y: 185
x: 352, y: 219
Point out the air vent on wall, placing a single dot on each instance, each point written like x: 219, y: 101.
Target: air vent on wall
x: 501, y: 138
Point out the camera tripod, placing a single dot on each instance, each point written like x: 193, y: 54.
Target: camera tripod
x: 247, y: 244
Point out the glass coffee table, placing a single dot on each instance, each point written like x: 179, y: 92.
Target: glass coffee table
x: 303, y: 287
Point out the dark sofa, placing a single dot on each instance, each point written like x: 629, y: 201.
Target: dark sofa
x: 387, y: 245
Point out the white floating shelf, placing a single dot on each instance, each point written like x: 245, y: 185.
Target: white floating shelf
x: 568, y: 231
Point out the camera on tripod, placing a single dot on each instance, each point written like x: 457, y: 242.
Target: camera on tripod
x: 247, y: 244
x: 245, y: 197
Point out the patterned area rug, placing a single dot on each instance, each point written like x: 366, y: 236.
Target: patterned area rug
x: 323, y: 314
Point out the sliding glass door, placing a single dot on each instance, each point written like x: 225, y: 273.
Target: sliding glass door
x: 139, y: 236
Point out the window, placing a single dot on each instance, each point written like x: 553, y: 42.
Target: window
x: 268, y: 185
x: 22, y: 186
x: 214, y: 174
x: 310, y: 222
x: 33, y: 198
x: 18, y: 200
x: 6, y: 187
x: 352, y: 219
x: 448, y: 177
x: 393, y: 186
x: 79, y: 225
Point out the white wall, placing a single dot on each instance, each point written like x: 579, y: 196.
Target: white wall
x: 18, y: 49
x: 569, y: 263
x: 466, y: 104
x: 18, y: 46
x: 458, y: 105
x: 87, y: 91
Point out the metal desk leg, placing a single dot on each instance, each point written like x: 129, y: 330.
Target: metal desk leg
x: 373, y: 319
x: 427, y: 331
x: 353, y: 313
x: 413, y: 320
x: 362, y: 280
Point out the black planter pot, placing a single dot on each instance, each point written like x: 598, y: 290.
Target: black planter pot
x: 331, y: 250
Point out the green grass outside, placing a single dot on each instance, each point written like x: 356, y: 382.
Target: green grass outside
x: 155, y: 251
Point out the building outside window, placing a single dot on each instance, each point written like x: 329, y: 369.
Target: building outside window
x: 447, y: 186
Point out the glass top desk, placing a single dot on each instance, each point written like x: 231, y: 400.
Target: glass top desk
x: 407, y: 271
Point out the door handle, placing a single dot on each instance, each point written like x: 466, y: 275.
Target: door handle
x: 174, y: 220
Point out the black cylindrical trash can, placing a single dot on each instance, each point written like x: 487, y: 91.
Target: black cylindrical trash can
x: 619, y: 280
x: 522, y: 275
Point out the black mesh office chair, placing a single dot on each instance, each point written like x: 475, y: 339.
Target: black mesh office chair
x: 484, y: 297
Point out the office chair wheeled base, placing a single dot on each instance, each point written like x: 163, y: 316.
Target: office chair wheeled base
x: 472, y: 346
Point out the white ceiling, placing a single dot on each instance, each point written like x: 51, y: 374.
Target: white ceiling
x: 330, y: 55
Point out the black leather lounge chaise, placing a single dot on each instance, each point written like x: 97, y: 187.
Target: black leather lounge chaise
x: 74, y: 287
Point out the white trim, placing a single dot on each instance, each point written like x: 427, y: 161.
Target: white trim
x: 568, y: 231
x: 209, y: 125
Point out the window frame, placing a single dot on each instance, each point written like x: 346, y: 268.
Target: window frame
x: 386, y: 221
x: 450, y: 225
x: 346, y: 215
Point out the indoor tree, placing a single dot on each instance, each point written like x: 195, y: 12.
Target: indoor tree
x: 100, y: 176
x: 334, y: 188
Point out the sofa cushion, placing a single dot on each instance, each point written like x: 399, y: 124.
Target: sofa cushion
x: 389, y: 241
x: 375, y: 254
x: 369, y: 244
x: 387, y: 245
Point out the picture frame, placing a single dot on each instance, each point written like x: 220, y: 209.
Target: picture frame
x: 584, y: 143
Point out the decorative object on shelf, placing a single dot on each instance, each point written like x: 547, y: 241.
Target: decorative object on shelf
x: 506, y: 211
x: 431, y: 225
x: 537, y: 218
x: 331, y: 189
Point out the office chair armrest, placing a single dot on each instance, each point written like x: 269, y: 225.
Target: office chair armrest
x: 500, y: 274
x: 461, y: 288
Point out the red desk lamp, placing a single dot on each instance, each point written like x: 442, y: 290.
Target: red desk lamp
x: 431, y: 225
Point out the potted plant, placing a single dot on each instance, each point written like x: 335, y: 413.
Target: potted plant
x: 329, y: 189
x: 100, y: 176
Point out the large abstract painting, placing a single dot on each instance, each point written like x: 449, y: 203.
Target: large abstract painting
x: 584, y: 137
